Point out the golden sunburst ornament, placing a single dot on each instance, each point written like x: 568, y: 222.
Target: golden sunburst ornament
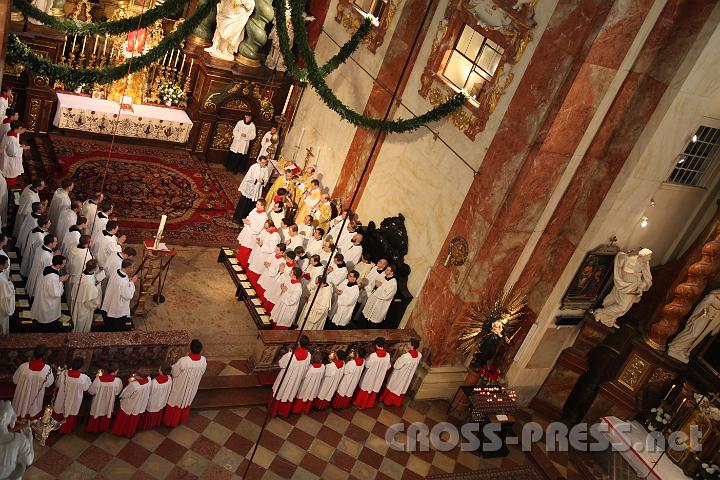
x: 492, y: 316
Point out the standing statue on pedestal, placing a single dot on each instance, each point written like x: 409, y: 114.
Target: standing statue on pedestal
x: 17, y: 448
x: 232, y: 15
x: 45, y: 6
x: 274, y: 59
x: 704, y: 321
x: 631, y: 278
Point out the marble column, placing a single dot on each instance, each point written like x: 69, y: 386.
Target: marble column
x: 388, y: 76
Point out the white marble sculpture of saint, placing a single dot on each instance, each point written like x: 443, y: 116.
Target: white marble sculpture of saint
x: 704, y: 321
x: 631, y: 278
x: 232, y: 15
x: 45, y: 6
x: 17, y: 448
x: 274, y: 59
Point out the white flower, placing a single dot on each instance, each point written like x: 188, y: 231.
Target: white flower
x: 667, y: 415
x: 653, y: 410
x: 651, y: 428
x: 704, y: 465
x: 373, y: 18
x: 665, y: 421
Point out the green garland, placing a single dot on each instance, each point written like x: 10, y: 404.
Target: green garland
x: 70, y: 27
x: 315, y: 77
x: 38, y: 65
x: 349, y: 47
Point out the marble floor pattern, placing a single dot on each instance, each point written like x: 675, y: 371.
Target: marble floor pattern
x: 215, y: 445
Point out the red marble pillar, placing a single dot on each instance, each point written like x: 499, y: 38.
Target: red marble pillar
x: 388, y: 76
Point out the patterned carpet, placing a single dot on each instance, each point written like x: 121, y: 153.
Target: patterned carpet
x: 145, y: 182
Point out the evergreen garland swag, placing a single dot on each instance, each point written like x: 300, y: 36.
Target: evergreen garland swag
x: 115, y: 27
x: 315, y: 75
x: 38, y: 65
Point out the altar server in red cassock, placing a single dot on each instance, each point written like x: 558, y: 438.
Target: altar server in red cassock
x: 104, y: 389
x: 401, y: 376
x: 133, y: 401
x: 283, y: 314
x: 351, y: 373
x: 376, y: 366
x: 31, y: 379
x: 159, y: 392
x: 71, y: 385
x: 253, y: 224
x: 293, y: 367
x: 187, y: 373
x: 270, y: 269
x: 310, y: 385
x: 331, y: 379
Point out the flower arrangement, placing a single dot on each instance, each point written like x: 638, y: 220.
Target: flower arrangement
x: 657, y: 419
x: 171, y: 94
x: 708, y: 471
x: 489, y: 372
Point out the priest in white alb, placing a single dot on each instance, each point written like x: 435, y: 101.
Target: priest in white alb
x: 31, y: 379
x: 380, y: 298
x: 272, y: 271
x: 376, y: 366
x: 310, y: 385
x: 71, y: 385
x: 402, y: 374
x: 253, y: 224
x: 43, y: 258
x: 331, y: 379
x: 29, y: 195
x: 186, y: 374
x: 133, y: 401
x: 67, y: 218
x: 159, y: 393
x: 7, y: 296
x: 60, y: 201
x: 90, y: 208
x: 251, y: 188
x: 86, y: 299
x: 293, y: 367
x: 104, y: 388
x: 286, y: 308
x: 46, y: 305
x: 347, y: 294
x: 118, y: 294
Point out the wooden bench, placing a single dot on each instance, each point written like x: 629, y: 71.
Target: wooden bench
x: 243, y: 288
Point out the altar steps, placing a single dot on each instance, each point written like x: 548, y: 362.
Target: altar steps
x: 230, y: 391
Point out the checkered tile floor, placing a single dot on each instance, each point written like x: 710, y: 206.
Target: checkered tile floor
x: 215, y: 444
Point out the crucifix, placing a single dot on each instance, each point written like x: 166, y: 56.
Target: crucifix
x: 308, y: 155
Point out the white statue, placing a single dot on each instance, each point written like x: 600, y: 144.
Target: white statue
x: 274, y: 59
x: 45, y: 6
x: 232, y: 15
x: 16, y: 451
x: 631, y: 278
x: 704, y: 321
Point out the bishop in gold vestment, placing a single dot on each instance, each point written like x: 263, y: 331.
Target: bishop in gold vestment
x: 322, y: 212
x: 285, y: 181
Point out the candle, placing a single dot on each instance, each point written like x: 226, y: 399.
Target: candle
x: 183, y: 63
x: 301, y: 137
x: 669, y: 392
x: 82, y: 50
x: 62, y: 53
x: 177, y: 57
x: 72, y: 49
x: 163, y: 219
x: 287, y: 100
x: 163, y: 60
x: 105, y: 45
x: 95, y: 45
x: 192, y: 61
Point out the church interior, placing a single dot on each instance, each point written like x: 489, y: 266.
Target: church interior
x: 398, y: 238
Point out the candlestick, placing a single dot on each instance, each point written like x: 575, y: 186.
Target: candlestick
x: 287, y: 100
x: 82, y: 50
x: 182, y: 64
x: 62, y: 54
x: 96, y: 44
x: 105, y: 45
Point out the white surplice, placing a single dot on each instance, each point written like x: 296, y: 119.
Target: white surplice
x: 70, y: 239
x: 379, y: 300
x: 296, y: 366
x: 34, y: 242
x: 272, y: 275
x: 352, y: 255
x: 97, y: 226
x: 134, y: 397
x: 48, y: 297
x: 186, y: 374
x: 331, y: 379
x: 247, y: 236
x: 296, y: 240
x: 287, y: 305
x: 89, y: 211
x: 159, y: 393
x: 75, y: 265
x: 12, y: 157
x: 313, y: 246
x: 60, y: 201
x: 7, y: 303
x: 66, y: 219
x: 43, y: 258
x: 403, y: 372
x: 3, y: 201
x: 319, y: 312
x: 30, y: 388
x: 254, y: 180
x: 70, y: 390
x: 375, y: 369
x: 264, y: 251
x: 104, y: 393
x: 350, y: 377
x: 311, y: 383
x: 29, y: 222
x: 370, y: 277
x: 28, y: 196
x: 264, y: 145
x: 84, y: 303
x: 106, y: 246
x: 337, y: 276
x: 239, y: 143
x: 119, y: 293
x: 344, y: 304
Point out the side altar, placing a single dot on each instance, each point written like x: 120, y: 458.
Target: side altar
x: 205, y: 95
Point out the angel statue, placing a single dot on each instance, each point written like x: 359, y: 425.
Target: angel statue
x: 232, y: 16
x: 17, y: 448
x: 489, y: 324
